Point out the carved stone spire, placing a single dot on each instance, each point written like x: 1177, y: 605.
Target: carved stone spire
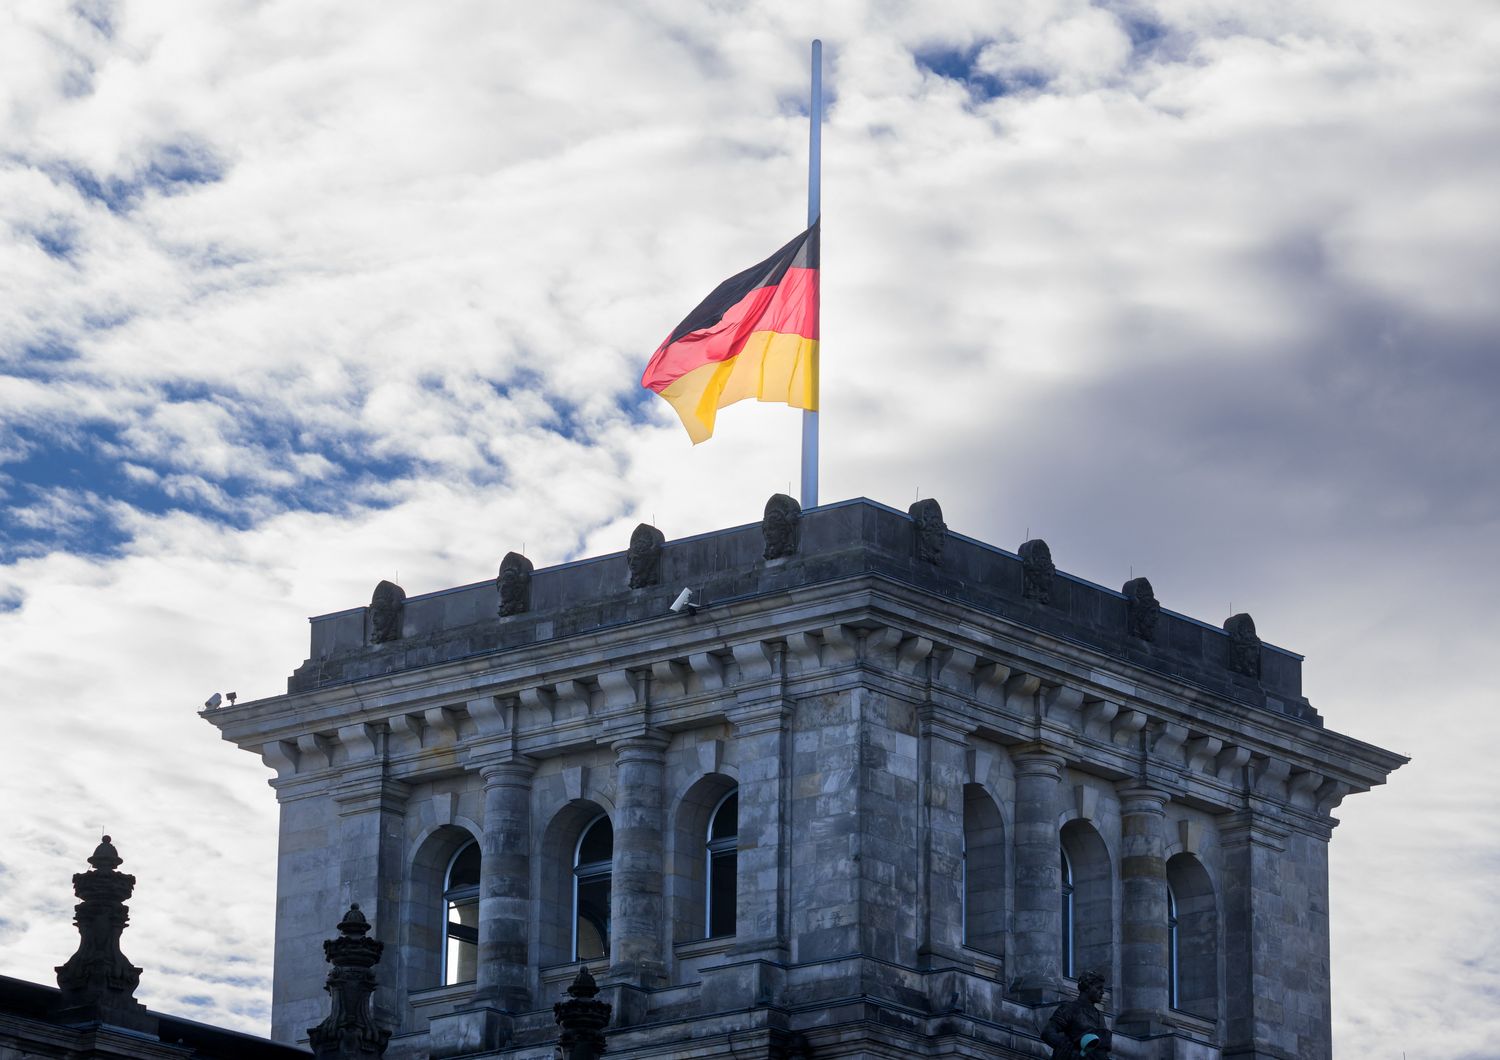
x: 350, y: 1031
x: 98, y: 980
x: 582, y: 1019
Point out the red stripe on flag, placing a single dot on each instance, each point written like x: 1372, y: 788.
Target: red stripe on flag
x: 789, y: 308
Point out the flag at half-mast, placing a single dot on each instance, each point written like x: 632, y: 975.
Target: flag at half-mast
x: 755, y: 336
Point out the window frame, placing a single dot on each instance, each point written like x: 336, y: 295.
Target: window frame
x: 713, y: 849
x: 465, y: 894
x: 590, y: 872
x: 1174, y: 968
x: 1068, y: 911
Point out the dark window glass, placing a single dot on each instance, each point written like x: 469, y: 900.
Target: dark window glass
x: 1067, y: 915
x: 592, y: 867
x: 597, y: 844
x: 722, y: 866
x: 1173, y: 977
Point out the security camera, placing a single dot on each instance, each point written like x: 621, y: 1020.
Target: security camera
x: 231, y: 696
x: 684, y: 602
x: 213, y: 701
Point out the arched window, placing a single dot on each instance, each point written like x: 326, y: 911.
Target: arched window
x: 1193, y: 935
x: 1088, y: 916
x: 592, y: 866
x: 461, y: 900
x: 1173, y: 977
x: 983, y: 872
x: 722, y: 865
x: 1067, y: 914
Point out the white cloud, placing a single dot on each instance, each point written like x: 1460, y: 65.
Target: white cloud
x: 1216, y: 304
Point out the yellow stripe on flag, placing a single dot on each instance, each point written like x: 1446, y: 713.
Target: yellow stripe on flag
x: 770, y: 367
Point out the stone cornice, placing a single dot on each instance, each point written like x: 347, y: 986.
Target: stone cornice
x: 1107, y: 717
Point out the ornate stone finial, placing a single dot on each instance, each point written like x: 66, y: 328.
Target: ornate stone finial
x: 514, y: 584
x: 387, y: 607
x: 781, y: 526
x: 644, y: 556
x: 1141, y: 609
x: 929, y: 529
x: 350, y: 1031
x: 1037, y: 571
x: 582, y: 1018
x: 1244, y: 645
x: 99, y: 976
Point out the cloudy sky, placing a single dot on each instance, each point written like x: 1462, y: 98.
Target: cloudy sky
x: 296, y: 296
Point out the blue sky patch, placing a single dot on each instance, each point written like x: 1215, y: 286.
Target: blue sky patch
x: 958, y: 64
x: 172, y: 168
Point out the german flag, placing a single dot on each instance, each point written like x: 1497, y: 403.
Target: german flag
x: 755, y: 336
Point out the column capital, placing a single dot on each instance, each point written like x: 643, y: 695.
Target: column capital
x: 759, y: 715
x: 510, y: 769
x: 1038, y: 759
x: 379, y: 793
x: 1248, y: 828
x: 1136, y: 798
x: 642, y: 743
x: 944, y: 722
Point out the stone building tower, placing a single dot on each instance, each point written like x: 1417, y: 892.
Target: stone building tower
x: 875, y: 789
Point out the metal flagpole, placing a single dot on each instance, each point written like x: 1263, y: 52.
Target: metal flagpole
x: 814, y: 209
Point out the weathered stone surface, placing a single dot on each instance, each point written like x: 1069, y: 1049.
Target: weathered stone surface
x: 387, y: 608
x: 644, y: 556
x: 1141, y: 609
x: 928, y: 530
x: 780, y: 526
x: 514, y: 584
x: 1037, y: 571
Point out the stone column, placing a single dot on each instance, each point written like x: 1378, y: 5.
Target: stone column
x: 1255, y: 1017
x: 753, y: 970
x: 505, y: 911
x: 1036, y: 952
x: 944, y: 758
x: 637, y: 912
x: 1144, y: 993
x: 760, y: 903
x: 372, y: 825
x: 503, y: 979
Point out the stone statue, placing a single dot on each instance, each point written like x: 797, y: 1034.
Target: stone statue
x: 1037, y: 571
x: 1244, y: 645
x: 387, y: 607
x: 1141, y: 609
x: 930, y: 530
x: 1076, y: 1030
x: 350, y: 1031
x: 514, y: 584
x: 644, y: 556
x: 781, y: 526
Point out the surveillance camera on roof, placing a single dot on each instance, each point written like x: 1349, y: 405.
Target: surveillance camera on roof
x: 684, y: 602
x: 213, y: 701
